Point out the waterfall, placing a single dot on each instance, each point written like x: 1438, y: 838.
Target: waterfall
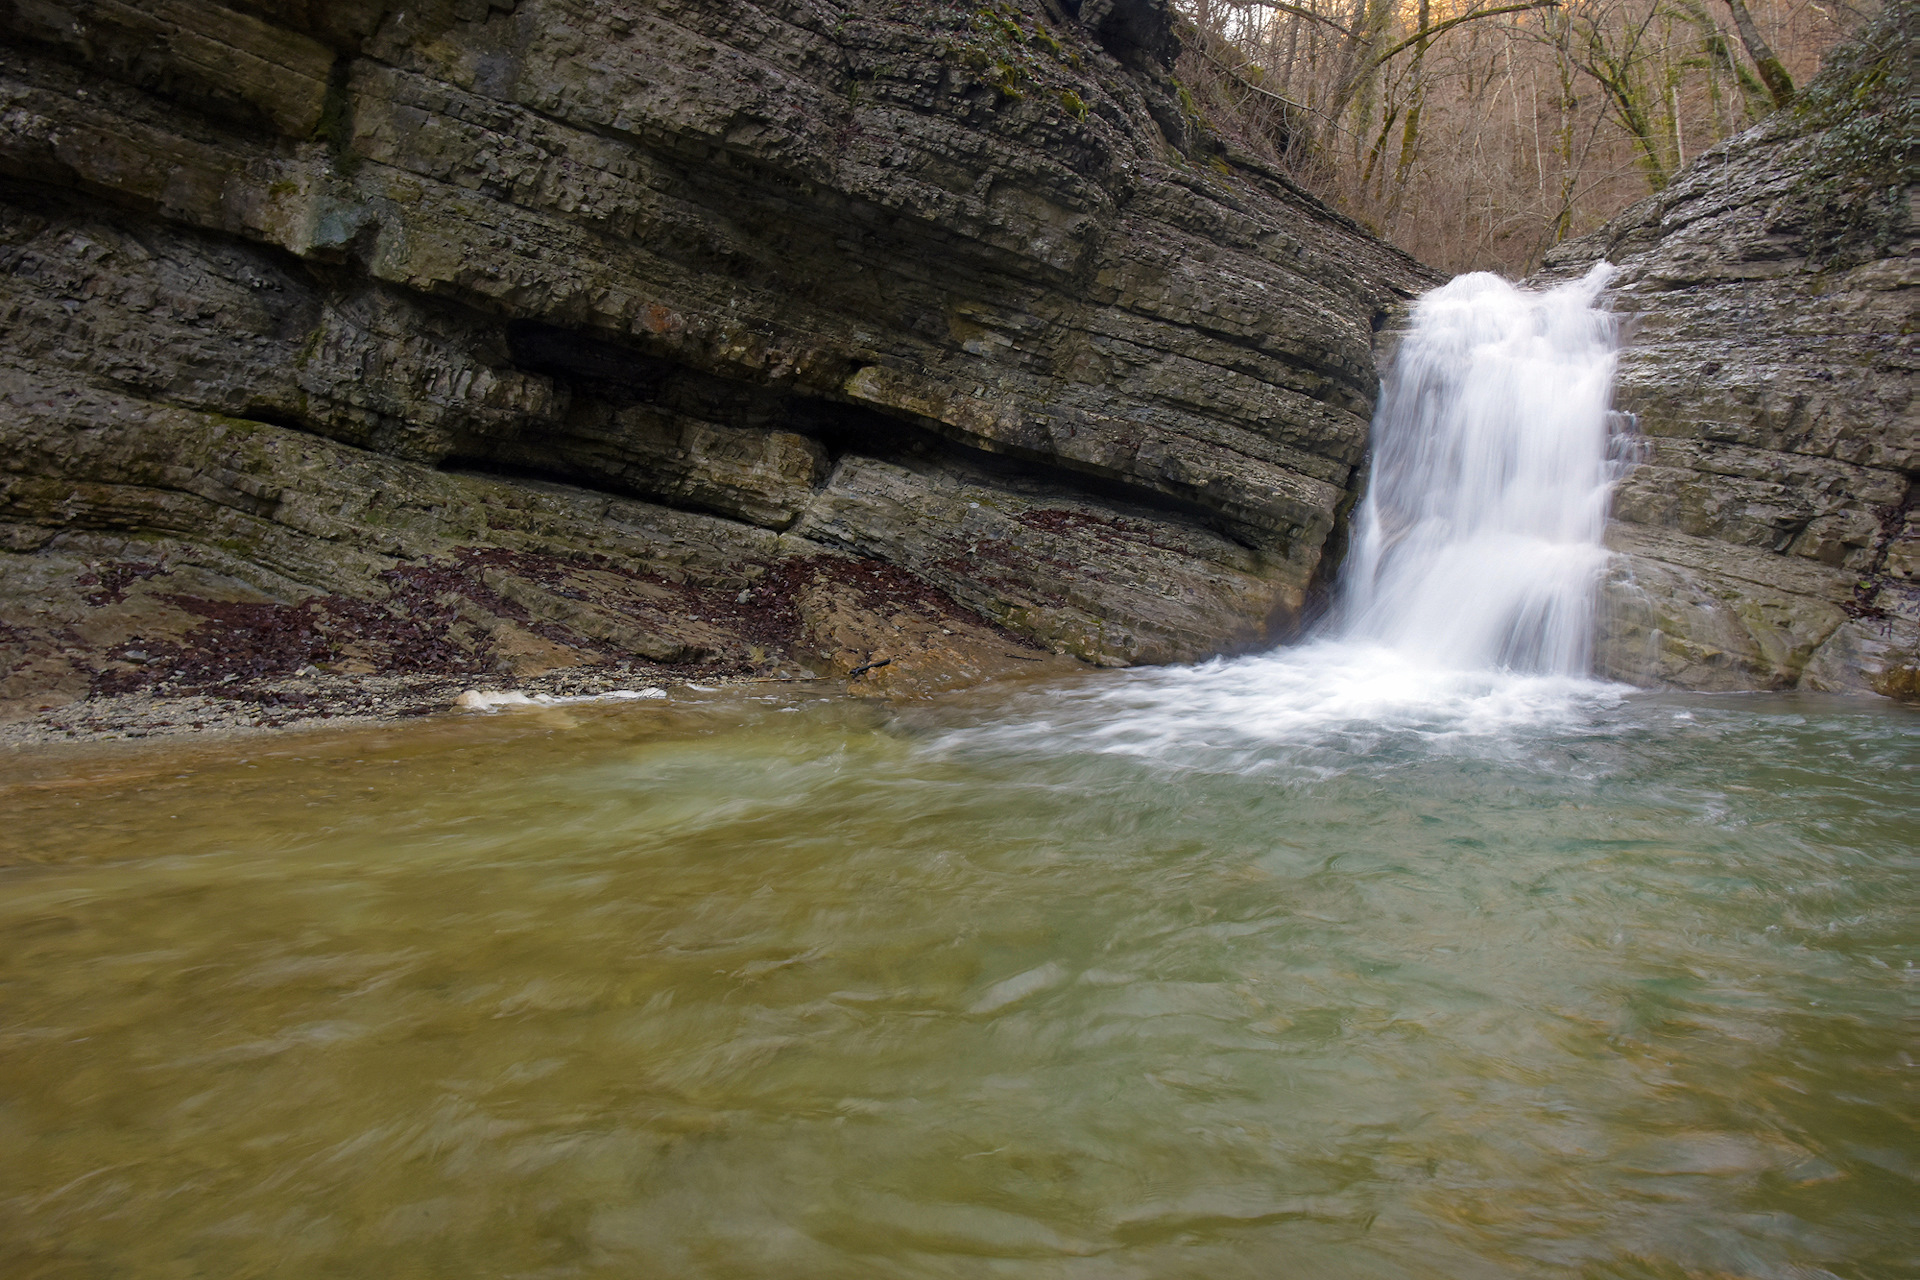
x: 1479, y: 543
x: 1466, y: 609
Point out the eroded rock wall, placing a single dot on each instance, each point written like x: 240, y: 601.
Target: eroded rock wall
x: 302, y: 299
x: 1769, y: 536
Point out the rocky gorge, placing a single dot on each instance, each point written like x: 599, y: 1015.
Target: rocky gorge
x: 1766, y: 528
x: 570, y: 335
x: 368, y: 351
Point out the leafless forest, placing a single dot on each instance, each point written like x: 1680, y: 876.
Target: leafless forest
x: 1477, y: 134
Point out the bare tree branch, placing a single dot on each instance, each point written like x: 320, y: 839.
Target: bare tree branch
x: 1249, y: 85
x: 1300, y: 12
x: 1438, y: 27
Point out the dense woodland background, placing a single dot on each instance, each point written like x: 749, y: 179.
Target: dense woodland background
x: 1477, y: 134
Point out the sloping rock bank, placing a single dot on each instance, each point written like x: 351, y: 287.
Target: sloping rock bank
x: 493, y: 337
x: 1769, y: 534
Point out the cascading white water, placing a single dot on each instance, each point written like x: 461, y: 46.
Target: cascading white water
x: 1468, y: 602
x: 1478, y: 545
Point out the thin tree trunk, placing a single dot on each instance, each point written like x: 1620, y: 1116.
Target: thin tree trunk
x: 1539, y: 159
x: 1772, y: 74
x: 1410, y: 132
x: 1679, y: 143
x: 1569, y: 105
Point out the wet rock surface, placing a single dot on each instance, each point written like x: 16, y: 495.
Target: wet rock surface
x: 451, y: 339
x: 128, y: 647
x: 1769, y: 536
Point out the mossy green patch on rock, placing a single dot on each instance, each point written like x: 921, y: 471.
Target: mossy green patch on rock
x: 1864, y: 110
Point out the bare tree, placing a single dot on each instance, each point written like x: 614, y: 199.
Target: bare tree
x: 1479, y: 133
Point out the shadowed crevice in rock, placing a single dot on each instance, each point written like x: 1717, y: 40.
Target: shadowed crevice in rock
x: 637, y: 424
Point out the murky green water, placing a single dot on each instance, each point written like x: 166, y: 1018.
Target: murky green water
x: 1046, y: 983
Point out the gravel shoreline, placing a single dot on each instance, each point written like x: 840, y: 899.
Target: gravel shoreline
x: 318, y: 700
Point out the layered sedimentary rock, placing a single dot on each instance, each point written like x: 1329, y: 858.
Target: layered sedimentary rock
x: 1768, y: 532
x: 528, y: 332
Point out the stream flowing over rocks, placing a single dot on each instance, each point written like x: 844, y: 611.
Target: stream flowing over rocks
x: 463, y: 339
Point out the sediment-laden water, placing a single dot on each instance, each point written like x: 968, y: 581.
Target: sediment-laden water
x: 1312, y: 965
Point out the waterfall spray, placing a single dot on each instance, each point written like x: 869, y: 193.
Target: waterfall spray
x: 1479, y: 543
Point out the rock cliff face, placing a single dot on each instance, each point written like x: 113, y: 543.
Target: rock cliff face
x: 501, y: 335
x: 1769, y: 534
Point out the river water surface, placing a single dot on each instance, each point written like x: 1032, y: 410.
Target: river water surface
x: 1406, y: 953
x: 1315, y: 965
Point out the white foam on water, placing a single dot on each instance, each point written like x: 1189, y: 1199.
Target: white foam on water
x: 490, y: 700
x: 1346, y: 687
x: 1293, y: 706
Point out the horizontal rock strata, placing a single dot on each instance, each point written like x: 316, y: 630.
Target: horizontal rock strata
x: 496, y: 335
x: 1769, y: 536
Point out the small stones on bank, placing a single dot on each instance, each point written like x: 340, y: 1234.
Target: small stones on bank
x: 180, y: 659
x: 329, y: 700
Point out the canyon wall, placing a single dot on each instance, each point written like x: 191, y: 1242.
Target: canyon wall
x: 472, y: 336
x: 1768, y: 531
x: 1767, y: 528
